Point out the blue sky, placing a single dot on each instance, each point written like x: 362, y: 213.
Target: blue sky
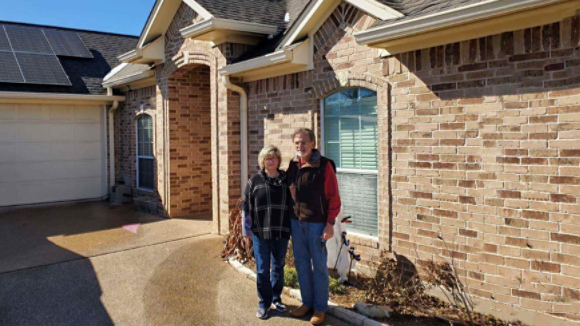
x: 117, y: 16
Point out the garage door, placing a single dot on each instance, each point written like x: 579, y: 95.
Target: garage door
x: 51, y: 153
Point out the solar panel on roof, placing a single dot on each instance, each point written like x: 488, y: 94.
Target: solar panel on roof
x: 4, y: 44
x: 42, y: 69
x: 67, y: 44
x: 28, y: 40
x: 9, y: 70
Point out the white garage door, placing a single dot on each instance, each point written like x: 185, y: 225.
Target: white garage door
x: 50, y: 153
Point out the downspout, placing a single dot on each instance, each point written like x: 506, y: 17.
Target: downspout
x: 243, y: 127
x: 112, y: 109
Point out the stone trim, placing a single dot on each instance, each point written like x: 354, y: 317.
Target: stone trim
x: 345, y: 79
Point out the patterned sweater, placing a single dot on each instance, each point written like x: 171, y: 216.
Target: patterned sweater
x: 267, y: 206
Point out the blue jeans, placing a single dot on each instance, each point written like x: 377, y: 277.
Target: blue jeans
x: 310, y: 261
x: 270, y: 282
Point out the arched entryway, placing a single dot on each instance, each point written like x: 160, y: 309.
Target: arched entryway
x: 189, y: 114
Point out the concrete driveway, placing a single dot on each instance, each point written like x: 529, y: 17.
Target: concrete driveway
x: 87, y: 264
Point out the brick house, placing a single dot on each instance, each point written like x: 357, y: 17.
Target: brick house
x: 454, y: 125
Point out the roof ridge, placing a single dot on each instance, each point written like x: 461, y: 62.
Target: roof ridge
x: 65, y: 28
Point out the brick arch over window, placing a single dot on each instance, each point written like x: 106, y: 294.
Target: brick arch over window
x: 343, y: 80
x: 346, y: 79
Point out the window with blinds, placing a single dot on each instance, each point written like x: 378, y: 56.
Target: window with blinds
x: 145, y: 159
x: 350, y: 140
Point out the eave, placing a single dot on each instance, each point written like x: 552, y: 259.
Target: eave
x: 151, y: 53
x: 129, y: 79
x: 465, y: 23
x: 318, y: 11
x: 161, y: 16
x: 45, y: 98
x: 219, y: 30
x: 282, y: 62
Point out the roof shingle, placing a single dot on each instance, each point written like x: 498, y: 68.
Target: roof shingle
x: 86, y: 75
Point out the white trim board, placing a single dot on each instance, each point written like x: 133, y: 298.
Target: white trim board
x: 482, y: 10
x: 320, y: 8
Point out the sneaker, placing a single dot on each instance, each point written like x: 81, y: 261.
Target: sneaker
x: 262, y: 313
x: 280, y: 307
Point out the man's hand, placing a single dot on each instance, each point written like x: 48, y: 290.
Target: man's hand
x: 248, y: 241
x: 328, y: 232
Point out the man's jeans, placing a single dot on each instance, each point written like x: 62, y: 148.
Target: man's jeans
x: 270, y: 282
x: 310, y: 260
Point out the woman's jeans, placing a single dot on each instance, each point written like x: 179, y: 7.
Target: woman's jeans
x: 310, y: 259
x: 270, y: 282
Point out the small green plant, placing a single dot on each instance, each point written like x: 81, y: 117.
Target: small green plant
x: 291, y: 277
x: 335, y: 287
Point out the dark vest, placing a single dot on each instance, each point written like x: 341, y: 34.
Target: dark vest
x: 307, y: 188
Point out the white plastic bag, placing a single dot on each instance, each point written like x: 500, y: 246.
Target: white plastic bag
x: 338, y: 256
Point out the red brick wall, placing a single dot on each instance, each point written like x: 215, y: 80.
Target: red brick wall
x: 483, y: 140
x: 139, y: 101
x: 190, y: 142
x: 486, y: 155
x: 223, y: 116
x: 277, y: 106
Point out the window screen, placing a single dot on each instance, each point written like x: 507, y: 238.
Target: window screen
x: 350, y: 139
x: 145, y: 160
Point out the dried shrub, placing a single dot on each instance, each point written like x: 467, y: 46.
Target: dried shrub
x: 444, y: 275
x: 406, y: 293
x: 391, y: 287
x: 234, y: 244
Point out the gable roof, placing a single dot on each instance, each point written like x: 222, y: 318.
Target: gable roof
x: 86, y: 75
x: 416, y: 8
x: 125, y: 73
x: 268, y: 12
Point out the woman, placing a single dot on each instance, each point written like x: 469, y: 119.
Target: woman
x: 266, y: 209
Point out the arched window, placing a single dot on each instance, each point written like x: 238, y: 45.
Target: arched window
x: 145, y: 159
x: 349, y: 131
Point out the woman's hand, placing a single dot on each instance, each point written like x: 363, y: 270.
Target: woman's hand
x: 247, y: 241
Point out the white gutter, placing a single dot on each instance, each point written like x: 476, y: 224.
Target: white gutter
x: 478, y: 11
x: 278, y: 57
x: 129, y: 79
x: 213, y: 23
x: 128, y: 56
x: 243, y: 127
x: 25, y: 96
x: 286, y: 55
x: 112, y: 142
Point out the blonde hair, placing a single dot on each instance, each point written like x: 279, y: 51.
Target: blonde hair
x: 269, y: 150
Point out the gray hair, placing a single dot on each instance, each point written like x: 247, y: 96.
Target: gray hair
x: 305, y: 131
x: 267, y: 151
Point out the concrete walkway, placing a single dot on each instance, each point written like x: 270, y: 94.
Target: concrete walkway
x: 169, y: 273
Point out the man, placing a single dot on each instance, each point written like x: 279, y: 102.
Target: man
x: 314, y: 188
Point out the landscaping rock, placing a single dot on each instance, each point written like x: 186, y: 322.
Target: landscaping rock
x: 372, y: 311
